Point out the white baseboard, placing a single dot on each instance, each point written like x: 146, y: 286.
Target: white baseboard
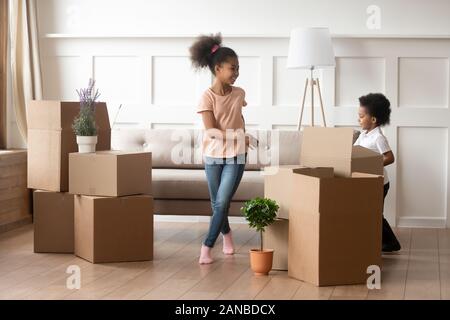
x: 421, y: 222
x: 169, y: 218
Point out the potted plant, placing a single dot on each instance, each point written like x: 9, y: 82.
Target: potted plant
x: 260, y: 212
x: 84, y: 124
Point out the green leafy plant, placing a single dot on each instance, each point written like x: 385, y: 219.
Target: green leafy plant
x: 260, y: 212
x: 84, y: 123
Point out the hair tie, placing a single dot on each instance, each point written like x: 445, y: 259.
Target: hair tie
x: 214, y: 48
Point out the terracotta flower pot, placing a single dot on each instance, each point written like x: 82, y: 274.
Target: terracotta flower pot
x: 261, y: 261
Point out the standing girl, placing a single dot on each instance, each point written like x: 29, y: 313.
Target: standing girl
x: 225, y: 143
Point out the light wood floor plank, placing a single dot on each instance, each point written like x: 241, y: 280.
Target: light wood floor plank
x: 444, y: 262
x: 227, y: 272
x: 163, y: 268
x: 307, y: 291
x: 279, y: 287
x: 193, y: 273
x: 421, y: 270
x: 91, y: 273
x: 246, y: 287
x: 422, y: 281
x: 394, y: 270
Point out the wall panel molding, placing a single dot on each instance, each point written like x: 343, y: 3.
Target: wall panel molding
x: 170, y: 90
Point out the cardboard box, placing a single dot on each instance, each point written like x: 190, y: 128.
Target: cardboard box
x: 334, y: 227
x: 278, y: 186
x: 53, y: 222
x: 114, y: 229
x: 333, y: 147
x: 51, y: 139
x: 276, y: 237
x: 110, y: 173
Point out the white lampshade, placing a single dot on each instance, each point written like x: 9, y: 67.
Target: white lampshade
x: 310, y: 48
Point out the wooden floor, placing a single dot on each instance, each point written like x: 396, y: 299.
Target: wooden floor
x: 420, y: 271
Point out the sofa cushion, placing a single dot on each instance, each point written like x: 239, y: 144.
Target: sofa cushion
x: 192, y: 184
x: 170, y: 148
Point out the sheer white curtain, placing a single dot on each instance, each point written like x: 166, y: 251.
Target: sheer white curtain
x: 25, y: 63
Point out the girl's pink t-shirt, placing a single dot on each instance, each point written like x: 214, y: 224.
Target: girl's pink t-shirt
x: 227, y: 111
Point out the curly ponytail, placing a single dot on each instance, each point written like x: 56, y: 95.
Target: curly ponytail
x: 207, y: 52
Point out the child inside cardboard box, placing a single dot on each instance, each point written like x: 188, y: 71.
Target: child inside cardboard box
x: 374, y: 112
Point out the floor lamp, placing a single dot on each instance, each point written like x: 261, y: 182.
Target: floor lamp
x: 310, y: 48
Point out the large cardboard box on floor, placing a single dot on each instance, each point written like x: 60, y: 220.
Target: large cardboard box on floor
x: 278, y: 186
x: 53, y: 219
x: 334, y: 227
x: 110, y: 173
x: 114, y: 229
x: 333, y: 147
x: 51, y: 139
x: 276, y: 237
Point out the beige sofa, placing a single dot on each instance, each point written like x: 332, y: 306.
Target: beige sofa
x: 178, y: 176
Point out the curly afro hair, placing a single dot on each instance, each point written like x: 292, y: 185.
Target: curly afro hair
x: 202, y: 55
x: 378, y: 106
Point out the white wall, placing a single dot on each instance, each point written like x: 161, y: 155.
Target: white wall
x: 237, y: 17
x: 137, y: 51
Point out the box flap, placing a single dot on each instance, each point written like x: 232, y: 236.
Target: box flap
x: 58, y: 115
x: 329, y: 143
x: 327, y: 147
x: 102, y: 117
x: 367, y: 161
x: 361, y: 152
x: 364, y: 175
x: 70, y: 111
x: 316, y: 172
x: 44, y: 115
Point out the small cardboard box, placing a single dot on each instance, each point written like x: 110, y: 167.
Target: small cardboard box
x: 114, y: 229
x: 334, y: 227
x: 110, y: 173
x: 278, y: 186
x: 333, y: 147
x: 276, y: 237
x: 53, y: 222
x: 51, y: 139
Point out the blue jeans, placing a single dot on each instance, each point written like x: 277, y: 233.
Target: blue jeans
x: 223, y: 175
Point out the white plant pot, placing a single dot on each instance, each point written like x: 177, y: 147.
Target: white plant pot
x: 86, y: 144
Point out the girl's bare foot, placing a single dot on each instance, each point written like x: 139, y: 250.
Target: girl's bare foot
x: 205, y: 255
x: 228, y: 247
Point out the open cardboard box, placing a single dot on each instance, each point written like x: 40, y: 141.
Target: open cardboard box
x: 321, y: 148
x: 333, y: 147
x: 334, y: 226
x: 51, y: 139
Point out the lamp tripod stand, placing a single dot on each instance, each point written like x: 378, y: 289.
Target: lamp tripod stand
x: 313, y: 82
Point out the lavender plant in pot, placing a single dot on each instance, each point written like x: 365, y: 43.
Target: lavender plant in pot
x: 84, y: 125
x: 260, y: 213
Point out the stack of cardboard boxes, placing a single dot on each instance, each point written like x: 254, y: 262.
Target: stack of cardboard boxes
x: 86, y: 208
x: 50, y: 140
x: 113, y: 205
x: 331, y: 209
